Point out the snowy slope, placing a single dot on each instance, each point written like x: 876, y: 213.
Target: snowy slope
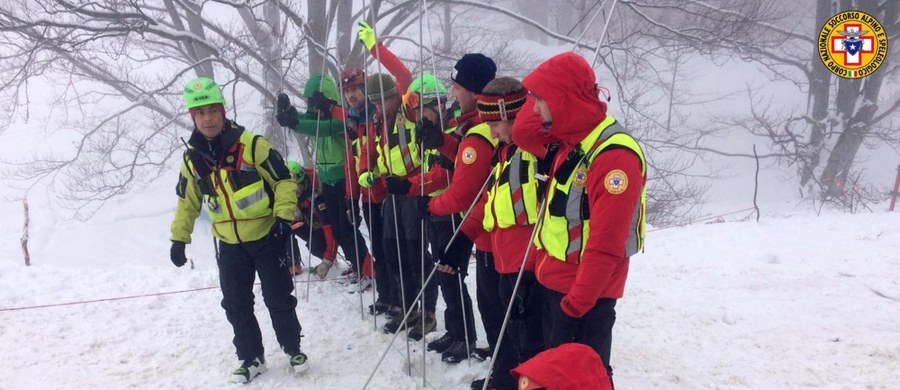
x: 789, y: 302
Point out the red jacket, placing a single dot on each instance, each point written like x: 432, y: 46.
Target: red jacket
x: 384, y: 128
x: 511, y: 242
x: 566, y: 82
x: 472, y: 165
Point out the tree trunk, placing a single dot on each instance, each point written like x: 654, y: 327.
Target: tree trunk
x: 317, y: 18
x: 817, y: 97
x: 267, y: 35
x: 346, y: 35
x: 194, y: 52
x: 24, y: 239
x: 448, y: 29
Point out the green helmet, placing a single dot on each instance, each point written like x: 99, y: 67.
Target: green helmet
x: 202, y: 91
x: 322, y: 83
x: 428, y: 87
x: 297, y: 170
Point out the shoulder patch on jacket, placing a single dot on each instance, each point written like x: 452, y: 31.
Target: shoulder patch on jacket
x: 616, y: 181
x: 469, y: 155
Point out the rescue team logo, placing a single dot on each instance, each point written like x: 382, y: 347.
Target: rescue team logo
x: 580, y: 177
x: 469, y: 155
x: 852, y: 44
x: 616, y: 181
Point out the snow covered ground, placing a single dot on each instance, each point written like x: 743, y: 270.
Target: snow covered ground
x: 798, y: 300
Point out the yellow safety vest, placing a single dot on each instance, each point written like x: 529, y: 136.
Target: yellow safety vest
x: 239, y: 201
x: 566, y: 223
x: 402, y: 155
x: 513, y: 196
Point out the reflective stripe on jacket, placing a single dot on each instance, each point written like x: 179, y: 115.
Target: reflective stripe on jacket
x: 566, y: 221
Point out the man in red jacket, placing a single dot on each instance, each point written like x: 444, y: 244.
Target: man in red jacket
x: 472, y: 167
x: 594, y: 219
x: 509, y: 217
x: 398, y: 155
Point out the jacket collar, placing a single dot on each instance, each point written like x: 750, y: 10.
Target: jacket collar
x: 213, y: 149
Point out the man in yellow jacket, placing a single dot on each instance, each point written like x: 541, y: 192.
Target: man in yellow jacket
x: 251, y: 198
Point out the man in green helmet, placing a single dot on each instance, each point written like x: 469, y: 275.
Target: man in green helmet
x: 250, y: 198
x: 332, y: 168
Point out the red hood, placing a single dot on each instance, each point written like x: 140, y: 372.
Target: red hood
x: 568, y: 85
x: 566, y: 367
x: 528, y: 131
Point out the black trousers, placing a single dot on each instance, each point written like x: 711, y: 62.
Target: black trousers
x: 238, y: 266
x: 383, y: 286
x: 316, y: 246
x: 406, y: 234
x: 524, y: 334
x: 346, y: 233
x: 488, y: 294
x: 458, y: 316
x: 593, y: 329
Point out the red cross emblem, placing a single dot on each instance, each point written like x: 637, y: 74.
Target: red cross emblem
x: 852, y: 47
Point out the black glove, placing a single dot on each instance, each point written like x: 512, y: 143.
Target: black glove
x: 177, y: 253
x: 285, y: 113
x: 444, y: 162
x: 564, y: 327
x: 280, y: 230
x: 422, y: 203
x: 352, y: 211
x: 321, y: 103
x: 428, y: 134
x: 397, y: 185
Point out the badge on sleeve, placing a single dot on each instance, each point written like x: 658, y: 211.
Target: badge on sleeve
x: 469, y: 155
x: 616, y: 181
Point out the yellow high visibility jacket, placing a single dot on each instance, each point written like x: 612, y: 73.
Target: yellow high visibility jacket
x: 244, y: 189
x: 512, y: 199
x: 565, y: 226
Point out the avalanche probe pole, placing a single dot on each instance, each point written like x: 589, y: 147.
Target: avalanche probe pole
x: 512, y: 297
x: 431, y: 275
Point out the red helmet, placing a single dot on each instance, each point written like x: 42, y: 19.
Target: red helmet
x: 353, y: 77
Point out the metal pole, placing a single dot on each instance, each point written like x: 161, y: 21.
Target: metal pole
x: 896, y: 189
x: 512, y: 299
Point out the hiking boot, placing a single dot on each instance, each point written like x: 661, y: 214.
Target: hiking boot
x: 458, y: 352
x: 416, y: 332
x: 248, y: 370
x: 481, y: 354
x: 442, y: 344
x: 394, y: 311
x: 395, y: 324
x: 378, y: 308
x: 363, y: 284
x: 349, y: 276
x: 298, y: 362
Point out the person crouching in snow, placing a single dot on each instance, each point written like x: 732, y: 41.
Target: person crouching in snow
x: 570, y: 366
x: 319, y: 236
x: 250, y: 198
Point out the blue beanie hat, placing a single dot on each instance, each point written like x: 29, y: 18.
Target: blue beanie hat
x: 474, y: 71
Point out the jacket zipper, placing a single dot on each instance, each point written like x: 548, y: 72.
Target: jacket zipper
x: 227, y: 199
